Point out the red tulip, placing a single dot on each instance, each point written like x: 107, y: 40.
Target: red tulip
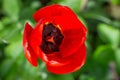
x: 58, y: 39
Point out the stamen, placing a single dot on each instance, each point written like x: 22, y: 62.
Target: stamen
x: 51, y: 39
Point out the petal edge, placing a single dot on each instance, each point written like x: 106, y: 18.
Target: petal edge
x: 77, y: 61
x: 27, y: 49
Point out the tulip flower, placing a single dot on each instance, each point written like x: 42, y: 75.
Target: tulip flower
x: 58, y: 39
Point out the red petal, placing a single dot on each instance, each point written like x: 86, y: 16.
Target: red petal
x: 35, y: 41
x: 74, y: 33
x: 26, y: 33
x: 76, y: 62
x: 73, y: 30
x: 30, y: 56
x: 27, y: 49
x: 56, y: 60
x: 57, y: 11
x: 50, y: 11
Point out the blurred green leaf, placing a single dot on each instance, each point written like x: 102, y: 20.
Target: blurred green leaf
x: 4, y: 33
x: 85, y: 77
x: 27, y: 13
x: 109, y: 34
x: 31, y: 73
x: 13, y: 50
x: 60, y: 77
x: 115, y: 2
x: 97, y: 16
x: 3, y: 44
x: 1, y: 25
x: 5, y: 67
x: 104, y: 54
x: 116, y: 24
x: 15, y: 34
x: 35, y: 4
x: 12, y: 74
x: 117, y: 58
x: 6, y: 21
x: 11, y: 32
x: 11, y: 8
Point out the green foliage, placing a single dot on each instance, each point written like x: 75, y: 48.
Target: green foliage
x: 103, y: 40
x: 102, y: 53
x: 60, y: 77
x: 11, y: 8
x: 117, y: 56
x: 109, y: 34
x: 115, y: 2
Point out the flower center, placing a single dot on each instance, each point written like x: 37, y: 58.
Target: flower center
x: 51, y: 39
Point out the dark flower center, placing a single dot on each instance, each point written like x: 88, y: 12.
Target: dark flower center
x: 51, y: 39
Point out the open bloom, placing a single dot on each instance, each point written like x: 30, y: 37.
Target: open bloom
x: 58, y: 39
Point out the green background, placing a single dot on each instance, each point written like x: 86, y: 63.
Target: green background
x: 102, y: 19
